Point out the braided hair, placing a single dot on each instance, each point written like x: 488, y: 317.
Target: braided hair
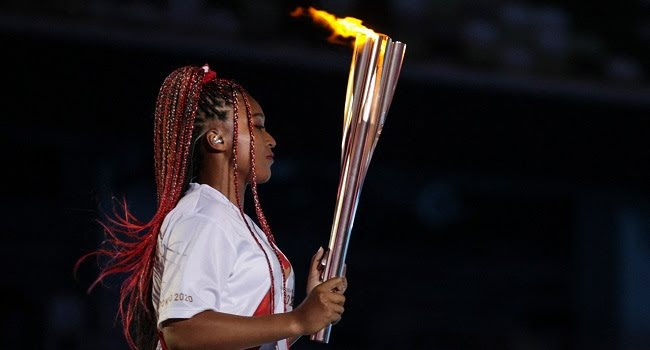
x: 188, y: 98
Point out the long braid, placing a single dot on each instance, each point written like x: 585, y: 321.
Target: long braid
x: 131, y: 243
x: 235, y: 90
x: 258, y: 207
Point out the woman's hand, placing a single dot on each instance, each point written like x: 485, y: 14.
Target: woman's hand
x: 316, y: 270
x: 322, y: 306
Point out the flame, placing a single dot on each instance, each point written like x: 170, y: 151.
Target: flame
x: 348, y: 27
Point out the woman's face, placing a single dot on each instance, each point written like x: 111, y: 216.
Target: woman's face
x: 264, y: 142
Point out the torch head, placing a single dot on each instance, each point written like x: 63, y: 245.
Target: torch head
x: 374, y: 71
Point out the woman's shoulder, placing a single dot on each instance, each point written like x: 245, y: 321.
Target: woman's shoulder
x: 184, y: 227
x: 201, y: 206
x: 204, y: 206
x: 204, y: 199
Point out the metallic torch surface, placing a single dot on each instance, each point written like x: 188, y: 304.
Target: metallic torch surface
x: 374, y: 72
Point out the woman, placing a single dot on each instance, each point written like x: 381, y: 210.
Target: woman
x: 201, y: 273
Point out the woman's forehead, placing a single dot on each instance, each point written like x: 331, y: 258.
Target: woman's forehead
x: 256, y: 109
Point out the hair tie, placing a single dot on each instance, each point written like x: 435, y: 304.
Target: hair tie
x: 209, y: 74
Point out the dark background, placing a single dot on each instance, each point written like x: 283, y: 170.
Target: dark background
x: 506, y: 207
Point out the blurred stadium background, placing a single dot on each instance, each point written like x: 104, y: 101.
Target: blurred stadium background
x: 507, y: 205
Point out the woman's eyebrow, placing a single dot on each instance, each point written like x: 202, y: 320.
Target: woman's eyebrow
x: 258, y: 114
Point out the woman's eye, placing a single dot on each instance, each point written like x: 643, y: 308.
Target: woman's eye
x: 261, y: 127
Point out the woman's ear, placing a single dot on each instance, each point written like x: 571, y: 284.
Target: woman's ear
x: 215, y: 140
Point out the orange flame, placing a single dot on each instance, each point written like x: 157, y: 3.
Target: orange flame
x: 341, y: 27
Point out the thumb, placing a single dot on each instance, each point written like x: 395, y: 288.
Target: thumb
x: 315, y: 260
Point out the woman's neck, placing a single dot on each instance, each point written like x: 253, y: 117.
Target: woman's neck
x: 228, y: 190
x: 223, y: 181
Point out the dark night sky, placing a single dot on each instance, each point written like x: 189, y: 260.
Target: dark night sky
x: 492, y: 216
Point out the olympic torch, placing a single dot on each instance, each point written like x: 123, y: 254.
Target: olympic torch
x: 374, y: 71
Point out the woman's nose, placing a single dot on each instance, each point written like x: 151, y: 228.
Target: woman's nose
x: 270, y: 141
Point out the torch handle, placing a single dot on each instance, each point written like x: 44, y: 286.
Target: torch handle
x: 323, y: 336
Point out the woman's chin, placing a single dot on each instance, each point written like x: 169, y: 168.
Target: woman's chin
x: 262, y: 178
